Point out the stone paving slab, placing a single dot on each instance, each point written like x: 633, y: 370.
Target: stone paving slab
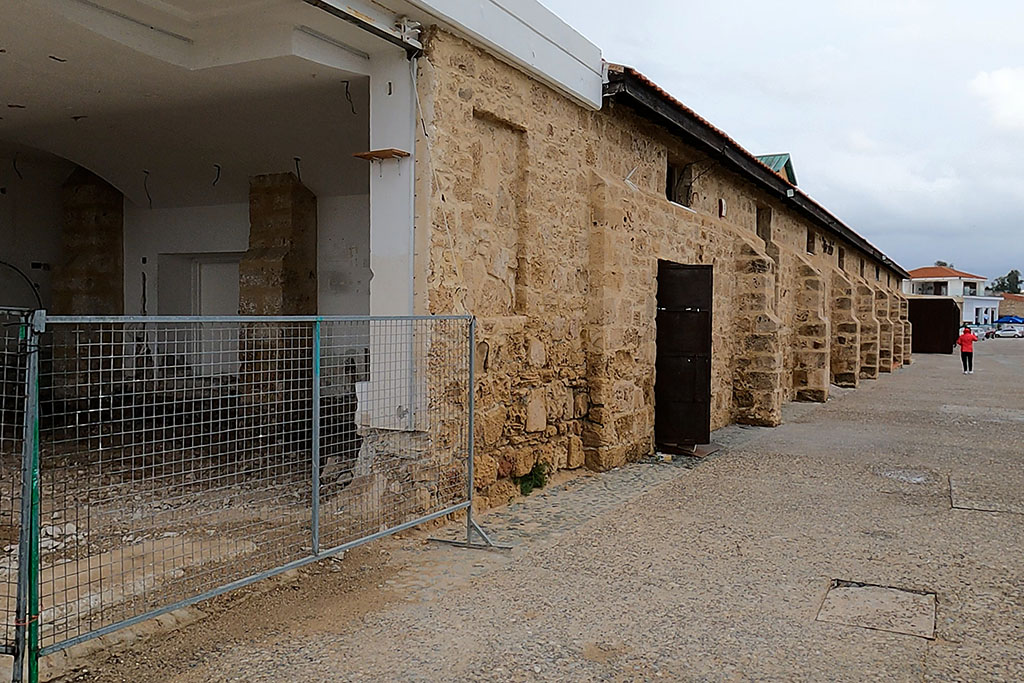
x: 983, y: 492
x: 880, y: 608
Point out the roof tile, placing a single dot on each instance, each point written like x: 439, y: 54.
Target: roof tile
x: 943, y: 271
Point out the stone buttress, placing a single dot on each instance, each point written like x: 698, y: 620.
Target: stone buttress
x: 845, y: 350
x: 885, y: 331
x: 869, y: 331
x: 811, y: 367
x: 758, y: 365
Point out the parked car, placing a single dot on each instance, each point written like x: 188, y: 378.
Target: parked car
x: 1009, y: 332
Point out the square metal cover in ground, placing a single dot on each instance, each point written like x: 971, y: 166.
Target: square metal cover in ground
x: 881, y: 608
x: 986, y: 493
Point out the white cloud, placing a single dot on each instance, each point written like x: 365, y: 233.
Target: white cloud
x: 1003, y: 92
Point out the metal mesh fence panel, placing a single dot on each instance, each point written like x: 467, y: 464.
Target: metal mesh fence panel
x: 13, y: 364
x: 395, y: 424
x: 177, y: 455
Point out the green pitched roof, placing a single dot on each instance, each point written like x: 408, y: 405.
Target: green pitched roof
x: 780, y: 162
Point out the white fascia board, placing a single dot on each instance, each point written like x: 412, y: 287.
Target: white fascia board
x: 529, y: 35
x: 372, y: 15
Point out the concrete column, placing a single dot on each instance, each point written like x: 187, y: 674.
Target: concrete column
x: 845, y: 348
x: 869, y: 331
x: 758, y: 363
x: 277, y: 275
x: 811, y: 375
x: 90, y: 277
x: 885, y: 331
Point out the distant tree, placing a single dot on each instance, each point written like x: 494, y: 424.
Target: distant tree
x: 943, y: 263
x: 1009, y: 283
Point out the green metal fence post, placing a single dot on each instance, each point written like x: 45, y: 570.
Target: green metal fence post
x: 32, y: 434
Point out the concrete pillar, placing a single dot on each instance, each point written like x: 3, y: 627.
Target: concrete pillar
x: 90, y: 278
x: 869, y: 331
x: 811, y: 374
x: 885, y: 331
x: 758, y: 362
x: 277, y: 275
x: 845, y: 348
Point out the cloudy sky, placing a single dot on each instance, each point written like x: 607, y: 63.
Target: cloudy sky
x: 904, y: 117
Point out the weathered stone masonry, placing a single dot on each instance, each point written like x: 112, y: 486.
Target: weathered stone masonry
x: 547, y: 222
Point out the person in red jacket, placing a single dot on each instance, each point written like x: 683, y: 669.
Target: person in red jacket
x: 966, y: 343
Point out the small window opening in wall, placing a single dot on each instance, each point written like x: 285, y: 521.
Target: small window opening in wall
x: 810, y: 241
x: 763, y: 223
x: 862, y: 266
x: 679, y: 183
x: 878, y: 273
x: 842, y: 259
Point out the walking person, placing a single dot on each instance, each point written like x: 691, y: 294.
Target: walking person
x: 966, y: 343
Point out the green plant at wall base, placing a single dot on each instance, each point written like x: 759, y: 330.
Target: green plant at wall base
x: 537, y: 478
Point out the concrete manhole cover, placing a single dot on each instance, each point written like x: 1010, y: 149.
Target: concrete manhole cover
x: 880, y: 608
x: 974, y: 492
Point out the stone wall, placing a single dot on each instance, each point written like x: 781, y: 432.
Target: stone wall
x: 908, y: 330
x: 886, y: 331
x: 277, y: 275
x: 845, y: 332
x: 90, y: 278
x: 547, y: 222
x: 1012, y: 304
x: 897, y: 330
x: 869, y: 331
x: 812, y: 358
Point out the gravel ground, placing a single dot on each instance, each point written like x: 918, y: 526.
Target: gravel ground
x: 713, y: 572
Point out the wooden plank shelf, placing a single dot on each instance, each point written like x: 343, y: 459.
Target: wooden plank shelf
x: 382, y: 154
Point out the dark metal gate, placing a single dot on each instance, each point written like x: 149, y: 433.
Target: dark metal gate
x: 682, y: 390
x: 936, y: 324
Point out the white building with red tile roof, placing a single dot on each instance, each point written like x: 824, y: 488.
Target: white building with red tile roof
x: 966, y: 288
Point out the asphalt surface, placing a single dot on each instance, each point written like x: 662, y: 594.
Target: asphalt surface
x: 709, y: 571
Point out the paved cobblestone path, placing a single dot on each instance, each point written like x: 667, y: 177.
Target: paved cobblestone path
x: 707, y: 571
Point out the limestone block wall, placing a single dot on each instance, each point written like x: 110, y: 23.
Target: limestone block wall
x: 547, y: 222
x: 277, y: 275
x: 758, y: 384
x: 885, y: 331
x: 812, y: 334
x: 630, y: 230
x: 845, y: 343
x: 908, y: 330
x: 870, y: 329
x: 897, y: 330
x: 90, y: 277
x: 1012, y: 304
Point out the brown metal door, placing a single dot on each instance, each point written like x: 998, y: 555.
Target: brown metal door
x: 682, y: 389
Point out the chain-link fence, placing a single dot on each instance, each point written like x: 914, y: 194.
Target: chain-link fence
x: 182, y: 457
